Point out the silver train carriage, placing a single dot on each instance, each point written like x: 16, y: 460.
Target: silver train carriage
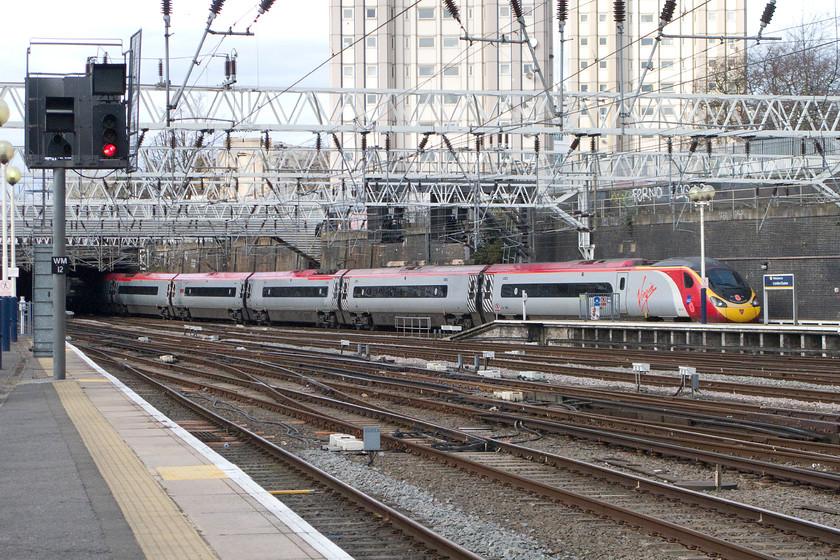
x: 299, y: 296
x: 429, y: 295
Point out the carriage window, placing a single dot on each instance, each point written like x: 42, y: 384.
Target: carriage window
x: 294, y: 291
x: 688, y: 280
x: 570, y: 290
x: 211, y: 291
x: 400, y: 291
x: 621, y: 283
x: 137, y: 290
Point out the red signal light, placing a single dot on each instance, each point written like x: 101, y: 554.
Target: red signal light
x: 109, y: 150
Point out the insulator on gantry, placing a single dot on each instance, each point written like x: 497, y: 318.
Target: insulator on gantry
x: 317, y: 142
x: 769, y: 9
x: 562, y: 10
x: 335, y: 140
x: 575, y: 143
x: 619, y: 10
x: 516, y: 7
x: 693, y: 147
x: 668, y: 11
x: 265, y: 5
x: 216, y: 6
x: 818, y: 146
x: 166, y: 7
x: 537, y: 144
x: 387, y: 142
x: 423, y: 142
x: 448, y: 143
x: 453, y: 10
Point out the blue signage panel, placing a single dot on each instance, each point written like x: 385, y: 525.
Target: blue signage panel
x: 778, y: 281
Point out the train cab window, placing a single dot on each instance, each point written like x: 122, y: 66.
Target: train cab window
x: 621, y: 283
x: 688, y: 280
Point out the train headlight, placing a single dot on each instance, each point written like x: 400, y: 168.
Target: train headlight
x: 717, y: 302
x: 756, y: 302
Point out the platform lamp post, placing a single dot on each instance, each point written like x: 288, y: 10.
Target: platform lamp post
x: 7, y: 153
x: 702, y: 196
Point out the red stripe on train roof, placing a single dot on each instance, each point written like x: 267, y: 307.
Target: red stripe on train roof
x: 415, y: 271
x: 572, y: 266
x: 310, y: 274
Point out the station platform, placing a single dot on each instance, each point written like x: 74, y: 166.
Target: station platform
x: 751, y: 338
x: 89, y: 470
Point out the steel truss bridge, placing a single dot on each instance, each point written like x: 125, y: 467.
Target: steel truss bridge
x: 298, y: 165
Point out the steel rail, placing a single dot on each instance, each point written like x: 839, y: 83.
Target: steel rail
x: 403, y: 523
x: 688, y: 537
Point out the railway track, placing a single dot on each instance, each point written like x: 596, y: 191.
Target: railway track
x: 340, y: 410
x: 364, y: 527
x: 607, y: 365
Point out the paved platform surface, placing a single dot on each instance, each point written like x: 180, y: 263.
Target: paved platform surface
x: 90, y: 470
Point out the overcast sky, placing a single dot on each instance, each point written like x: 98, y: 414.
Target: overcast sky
x: 289, y: 41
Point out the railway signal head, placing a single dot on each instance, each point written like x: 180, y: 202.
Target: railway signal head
x: 110, y: 135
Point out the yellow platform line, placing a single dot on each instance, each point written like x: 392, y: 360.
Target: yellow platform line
x: 160, y: 528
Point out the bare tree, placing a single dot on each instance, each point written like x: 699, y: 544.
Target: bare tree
x: 804, y: 63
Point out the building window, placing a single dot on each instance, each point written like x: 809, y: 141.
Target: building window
x: 602, y: 87
x: 647, y: 18
x: 584, y: 41
x: 667, y: 87
x: 450, y: 42
x: 583, y: 65
x: 370, y: 13
x: 347, y: 13
x: 425, y: 13
x: 504, y: 69
x: 371, y: 42
x: 450, y: 98
x: 584, y: 87
x: 602, y: 64
x: 647, y: 41
x: 711, y: 16
x: 371, y: 98
x: 667, y: 41
x: 426, y: 42
x: 602, y: 41
x: 426, y: 70
x: 347, y: 71
x: 346, y: 42
x: 584, y: 18
x: 647, y: 88
x: 730, y: 16
x: 451, y: 71
x: 504, y: 11
x: 602, y: 18
x: 667, y: 64
x: 371, y: 71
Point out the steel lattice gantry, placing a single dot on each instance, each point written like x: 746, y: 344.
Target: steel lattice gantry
x: 246, y: 163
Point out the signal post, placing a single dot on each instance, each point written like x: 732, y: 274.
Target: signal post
x: 73, y: 122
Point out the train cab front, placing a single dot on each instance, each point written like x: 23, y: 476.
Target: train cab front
x: 730, y: 298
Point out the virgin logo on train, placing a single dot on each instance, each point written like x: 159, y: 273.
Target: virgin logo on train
x: 644, y: 295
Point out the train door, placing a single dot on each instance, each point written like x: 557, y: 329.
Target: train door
x: 621, y: 280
